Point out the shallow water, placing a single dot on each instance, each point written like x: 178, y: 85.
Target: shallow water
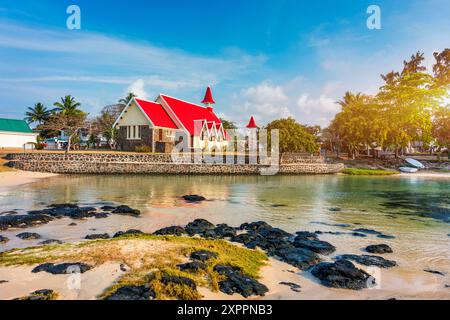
x: 414, y: 210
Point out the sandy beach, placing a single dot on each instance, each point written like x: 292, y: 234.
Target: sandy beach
x: 426, y: 174
x: 14, y: 178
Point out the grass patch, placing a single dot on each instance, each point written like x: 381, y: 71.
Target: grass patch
x: 148, y: 257
x: 368, y: 172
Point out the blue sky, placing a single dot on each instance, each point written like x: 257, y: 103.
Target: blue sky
x: 264, y: 58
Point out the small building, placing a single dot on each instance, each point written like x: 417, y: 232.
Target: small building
x: 15, y: 134
x: 155, y: 124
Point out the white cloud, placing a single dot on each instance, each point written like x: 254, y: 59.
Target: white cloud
x: 264, y: 101
x: 267, y: 102
x: 138, y: 88
x: 318, y: 110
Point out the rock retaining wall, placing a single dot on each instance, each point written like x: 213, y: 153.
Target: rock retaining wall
x: 78, y: 163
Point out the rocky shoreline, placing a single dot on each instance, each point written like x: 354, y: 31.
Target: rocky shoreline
x: 303, y: 250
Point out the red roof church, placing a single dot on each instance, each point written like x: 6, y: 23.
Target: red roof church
x: 151, y: 125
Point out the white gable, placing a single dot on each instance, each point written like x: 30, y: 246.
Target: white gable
x: 133, y: 117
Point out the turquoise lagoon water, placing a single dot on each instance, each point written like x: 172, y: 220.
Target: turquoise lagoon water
x: 416, y: 211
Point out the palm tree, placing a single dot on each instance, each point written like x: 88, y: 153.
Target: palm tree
x: 68, y: 106
x: 39, y: 113
x: 351, y: 98
x: 128, y: 98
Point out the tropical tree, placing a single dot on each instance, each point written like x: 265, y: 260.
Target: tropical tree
x: 105, y: 123
x: 39, y: 113
x: 68, y: 106
x: 410, y: 98
x: 441, y: 68
x: 360, y: 124
x: 227, y: 124
x: 128, y: 98
x: 330, y: 138
x: 441, y: 127
x: 293, y: 137
x: 70, y: 123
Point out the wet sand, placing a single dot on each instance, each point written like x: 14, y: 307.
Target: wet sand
x: 16, y: 178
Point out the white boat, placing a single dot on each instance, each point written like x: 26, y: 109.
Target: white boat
x: 408, y: 169
x: 414, y: 163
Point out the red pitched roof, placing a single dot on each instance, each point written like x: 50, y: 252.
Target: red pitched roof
x: 208, y: 96
x: 157, y: 114
x: 188, y: 112
x: 252, y: 123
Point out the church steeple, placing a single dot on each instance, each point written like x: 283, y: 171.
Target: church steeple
x: 208, y: 100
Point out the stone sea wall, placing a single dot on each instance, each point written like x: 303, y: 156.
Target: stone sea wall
x: 90, y: 163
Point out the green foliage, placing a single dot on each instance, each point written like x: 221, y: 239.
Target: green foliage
x: 441, y: 126
x: 128, y: 98
x: 368, y: 172
x: 143, y: 149
x: 39, y: 144
x: 39, y: 113
x: 228, y: 125
x: 402, y: 111
x: 68, y: 106
x: 104, y: 123
x: 293, y: 136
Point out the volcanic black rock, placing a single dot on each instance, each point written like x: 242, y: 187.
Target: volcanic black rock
x: 203, y: 255
x: 379, y: 248
x: 173, y: 230
x: 126, y: 210
x: 23, y: 221
x: 298, y: 257
x: 255, y: 226
x: 3, y: 239
x: 306, y: 235
x: 198, y: 226
x: 66, y: 210
x: 193, y: 198
x: 342, y: 274
x: 127, y: 233
x: 97, y: 236
x: 236, y: 282
x: 224, y: 231
x: 63, y: 268
x: 51, y: 241
x: 28, y: 236
x: 166, y: 279
x: 225, y: 270
x: 368, y: 260
x: 317, y: 246
x: 192, y: 266
x: 108, y: 208
x: 143, y: 292
x: 101, y: 215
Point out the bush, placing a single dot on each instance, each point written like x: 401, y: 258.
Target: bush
x: 40, y: 145
x: 143, y: 149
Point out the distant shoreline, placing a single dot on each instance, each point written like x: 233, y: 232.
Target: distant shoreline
x: 426, y: 174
